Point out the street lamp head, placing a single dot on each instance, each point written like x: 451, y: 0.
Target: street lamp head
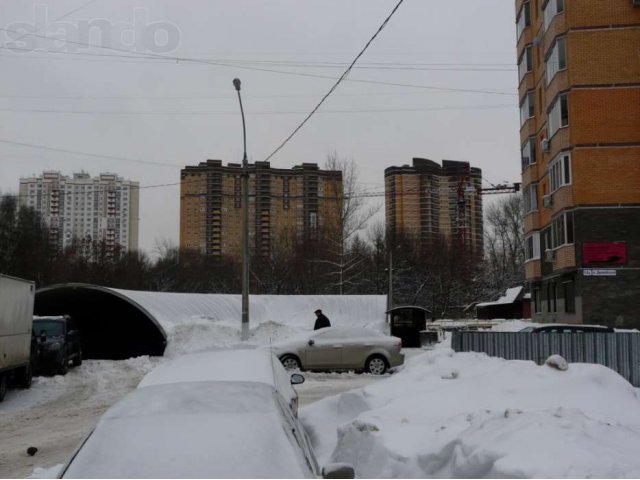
x: 236, y: 83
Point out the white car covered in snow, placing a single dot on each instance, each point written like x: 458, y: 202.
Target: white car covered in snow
x: 183, y: 423
x: 336, y: 348
x: 245, y: 365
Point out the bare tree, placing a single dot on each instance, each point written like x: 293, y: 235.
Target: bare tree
x: 504, y: 245
x: 345, y: 250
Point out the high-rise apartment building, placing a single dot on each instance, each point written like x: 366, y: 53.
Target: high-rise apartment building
x: 426, y: 201
x: 579, y: 73
x: 283, y: 203
x: 82, y: 208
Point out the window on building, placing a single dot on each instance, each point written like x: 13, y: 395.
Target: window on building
x: 530, y: 197
x: 557, y: 59
x: 526, y: 108
x: 560, y: 171
x: 569, y: 293
x: 562, y: 230
x: 528, y: 152
x: 550, y: 10
x: 524, y: 19
x: 532, y: 246
x: 525, y: 63
x: 558, y: 115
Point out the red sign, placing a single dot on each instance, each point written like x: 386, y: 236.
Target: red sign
x: 604, y: 252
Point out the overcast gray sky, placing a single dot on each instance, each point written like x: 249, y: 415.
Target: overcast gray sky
x: 174, y: 113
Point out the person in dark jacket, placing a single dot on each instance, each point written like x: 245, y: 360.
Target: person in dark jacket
x: 321, y: 320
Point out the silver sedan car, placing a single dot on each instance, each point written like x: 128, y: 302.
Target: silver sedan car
x: 336, y: 348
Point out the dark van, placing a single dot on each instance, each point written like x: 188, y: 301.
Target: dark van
x: 58, y: 343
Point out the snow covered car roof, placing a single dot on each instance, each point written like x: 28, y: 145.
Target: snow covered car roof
x: 195, y: 430
x: 334, y: 332
x: 241, y: 365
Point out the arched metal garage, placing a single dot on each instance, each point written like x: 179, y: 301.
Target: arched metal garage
x: 119, y: 324
x: 112, y: 325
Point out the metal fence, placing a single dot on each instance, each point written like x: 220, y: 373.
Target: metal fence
x: 618, y: 351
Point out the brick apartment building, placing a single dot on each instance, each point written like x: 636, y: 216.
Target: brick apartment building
x: 579, y: 71
x: 426, y: 201
x: 283, y: 203
x: 84, y: 208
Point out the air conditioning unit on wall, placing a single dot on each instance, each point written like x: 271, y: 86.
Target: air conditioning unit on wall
x: 549, y: 255
x: 547, y: 201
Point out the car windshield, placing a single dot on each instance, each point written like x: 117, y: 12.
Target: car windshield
x: 52, y: 328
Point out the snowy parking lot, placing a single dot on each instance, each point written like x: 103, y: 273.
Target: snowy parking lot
x: 57, y: 412
x: 442, y: 415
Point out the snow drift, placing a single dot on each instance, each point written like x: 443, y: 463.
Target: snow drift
x: 466, y: 415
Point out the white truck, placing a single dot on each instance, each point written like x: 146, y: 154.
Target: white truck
x: 16, y: 320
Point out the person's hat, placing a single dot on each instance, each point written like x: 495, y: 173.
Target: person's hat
x: 318, y: 311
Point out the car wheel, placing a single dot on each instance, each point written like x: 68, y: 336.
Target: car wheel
x: 63, y: 368
x: 3, y: 386
x: 290, y: 362
x: 77, y: 360
x: 376, y: 365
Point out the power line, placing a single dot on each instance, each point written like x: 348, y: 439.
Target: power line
x: 362, y: 194
x: 431, y: 67
x: 335, y: 85
x: 87, y: 154
x: 273, y: 112
x: 270, y: 70
x: 42, y: 27
x: 199, y: 97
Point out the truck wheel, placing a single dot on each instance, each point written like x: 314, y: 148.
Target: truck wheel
x: 25, y: 377
x: 77, y: 360
x: 3, y: 386
x: 63, y: 368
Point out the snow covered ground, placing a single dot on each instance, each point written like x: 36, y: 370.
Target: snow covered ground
x: 442, y: 415
x: 58, y: 412
x: 465, y: 415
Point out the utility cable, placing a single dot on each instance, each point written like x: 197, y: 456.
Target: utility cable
x: 87, y: 154
x: 271, y: 70
x: 338, y: 82
x: 42, y: 27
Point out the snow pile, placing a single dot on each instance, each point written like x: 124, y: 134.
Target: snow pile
x: 51, y: 472
x: 467, y: 415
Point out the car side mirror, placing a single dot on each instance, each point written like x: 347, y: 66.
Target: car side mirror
x: 311, y: 343
x: 338, y: 470
x: 297, y: 379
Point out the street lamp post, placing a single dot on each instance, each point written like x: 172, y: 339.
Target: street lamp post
x: 245, y: 224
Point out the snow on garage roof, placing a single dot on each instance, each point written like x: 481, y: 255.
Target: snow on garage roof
x: 510, y: 296
x: 185, y: 322
x: 170, y: 309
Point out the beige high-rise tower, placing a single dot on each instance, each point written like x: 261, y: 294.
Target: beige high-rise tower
x: 426, y: 201
x: 301, y: 203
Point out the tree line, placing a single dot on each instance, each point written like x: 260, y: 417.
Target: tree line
x: 438, y: 276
